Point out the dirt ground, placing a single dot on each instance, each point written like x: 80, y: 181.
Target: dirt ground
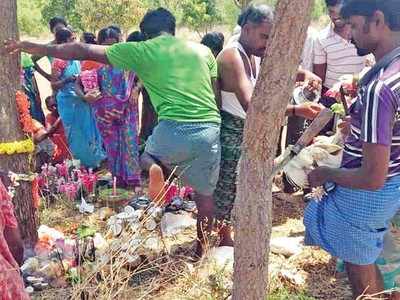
x: 171, y: 280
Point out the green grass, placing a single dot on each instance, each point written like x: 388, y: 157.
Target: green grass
x: 284, y: 294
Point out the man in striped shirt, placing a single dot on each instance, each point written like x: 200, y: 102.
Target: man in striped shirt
x: 351, y: 221
x: 334, y: 54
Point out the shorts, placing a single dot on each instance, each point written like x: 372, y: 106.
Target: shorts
x: 193, y: 147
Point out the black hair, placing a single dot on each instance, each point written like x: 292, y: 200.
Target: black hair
x: 366, y: 8
x: 333, y: 2
x: 53, y: 22
x: 62, y: 35
x: 214, y: 41
x: 89, y: 38
x: 256, y: 14
x: 107, y: 33
x: 157, y: 21
x: 116, y: 28
x: 136, y: 36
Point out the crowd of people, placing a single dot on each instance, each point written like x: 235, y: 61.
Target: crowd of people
x: 194, y: 102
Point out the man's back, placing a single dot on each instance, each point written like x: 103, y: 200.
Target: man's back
x: 176, y: 73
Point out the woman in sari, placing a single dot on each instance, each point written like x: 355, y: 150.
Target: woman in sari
x: 81, y: 132
x: 86, y: 65
x: 11, y: 284
x: 116, y: 115
x: 31, y: 88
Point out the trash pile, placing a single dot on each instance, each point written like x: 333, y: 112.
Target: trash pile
x: 128, y: 234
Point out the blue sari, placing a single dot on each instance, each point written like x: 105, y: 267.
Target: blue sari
x: 83, y: 137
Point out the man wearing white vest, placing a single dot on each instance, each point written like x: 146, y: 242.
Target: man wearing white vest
x: 238, y: 68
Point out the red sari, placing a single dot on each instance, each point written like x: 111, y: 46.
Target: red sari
x: 11, y: 285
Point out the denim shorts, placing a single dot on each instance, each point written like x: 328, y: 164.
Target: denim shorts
x: 193, y: 147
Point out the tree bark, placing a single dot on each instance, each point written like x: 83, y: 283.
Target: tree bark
x: 252, y: 214
x: 10, y: 129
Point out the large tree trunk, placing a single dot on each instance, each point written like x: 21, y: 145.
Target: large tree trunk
x: 266, y: 113
x: 10, y: 129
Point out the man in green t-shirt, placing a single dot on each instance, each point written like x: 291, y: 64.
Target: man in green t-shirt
x: 180, y: 78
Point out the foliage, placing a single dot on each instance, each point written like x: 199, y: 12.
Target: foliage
x: 200, y: 15
x: 172, y: 5
x: 91, y: 15
x: 63, y: 8
x: 96, y: 14
x: 29, y: 18
x: 285, y: 294
x: 319, y: 9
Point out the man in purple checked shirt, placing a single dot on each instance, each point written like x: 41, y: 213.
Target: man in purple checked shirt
x: 351, y: 220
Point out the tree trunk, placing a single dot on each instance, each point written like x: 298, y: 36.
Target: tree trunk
x: 252, y: 215
x: 10, y: 129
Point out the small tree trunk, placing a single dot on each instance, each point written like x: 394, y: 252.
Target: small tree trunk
x: 266, y: 113
x: 10, y: 129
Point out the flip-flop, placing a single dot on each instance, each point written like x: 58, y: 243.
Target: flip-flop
x: 140, y: 203
x: 176, y: 204
x: 189, y: 206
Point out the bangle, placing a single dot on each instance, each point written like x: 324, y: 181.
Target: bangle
x: 294, y: 110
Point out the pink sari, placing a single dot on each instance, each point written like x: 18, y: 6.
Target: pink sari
x: 11, y: 285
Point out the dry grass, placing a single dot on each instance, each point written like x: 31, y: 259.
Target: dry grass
x: 171, y: 273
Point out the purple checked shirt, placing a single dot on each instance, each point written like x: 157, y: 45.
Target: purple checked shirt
x: 375, y: 119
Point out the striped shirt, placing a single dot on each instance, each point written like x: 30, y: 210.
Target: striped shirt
x: 375, y: 119
x: 339, y: 54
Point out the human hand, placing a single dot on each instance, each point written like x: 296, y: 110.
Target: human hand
x: 12, y: 46
x: 318, y: 176
x: 308, y: 110
x: 312, y: 89
x: 311, y: 77
x: 344, y: 126
x: 92, y: 96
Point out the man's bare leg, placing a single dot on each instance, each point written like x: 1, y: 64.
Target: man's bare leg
x: 225, y: 235
x: 364, y: 280
x: 156, y: 177
x: 157, y: 186
x: 205, y: 220
x: 204, y: 204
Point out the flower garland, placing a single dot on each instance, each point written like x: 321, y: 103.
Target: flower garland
x: 25, y: 146
x: 35, y: 193
x: 24, y: 114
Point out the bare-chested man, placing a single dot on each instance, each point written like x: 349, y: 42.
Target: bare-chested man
x: 238, y: 67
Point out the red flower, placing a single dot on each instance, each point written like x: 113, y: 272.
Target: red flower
x: 25, y: 118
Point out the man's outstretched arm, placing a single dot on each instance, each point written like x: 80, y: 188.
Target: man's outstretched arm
x: 78, y: 51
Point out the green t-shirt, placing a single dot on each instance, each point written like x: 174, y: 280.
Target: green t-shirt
x: 26, y: 60
x: 176, y: 73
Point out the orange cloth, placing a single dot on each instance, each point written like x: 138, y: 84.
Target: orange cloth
x: 61, y: 151
x: 88, y: 65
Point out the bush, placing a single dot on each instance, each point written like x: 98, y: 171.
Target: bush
x: 29, y: 18
x: 200, y: 15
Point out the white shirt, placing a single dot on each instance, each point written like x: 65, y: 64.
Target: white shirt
x: 307, y: 57
x: 339, y: 54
